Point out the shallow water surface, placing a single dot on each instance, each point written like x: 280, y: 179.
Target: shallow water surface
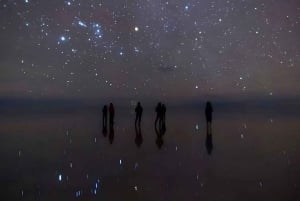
x: 65, y: 156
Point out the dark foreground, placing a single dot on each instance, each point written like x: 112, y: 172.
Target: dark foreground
x: 57, y: 156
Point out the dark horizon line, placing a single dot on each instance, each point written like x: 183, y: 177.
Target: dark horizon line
x: 184, y: 102
x: 284, y: 105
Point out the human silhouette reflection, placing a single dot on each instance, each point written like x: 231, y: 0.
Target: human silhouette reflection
x: 138, y: 135
x: 209, y: 139
x: 160, y: 131
x: 158, y: 113
x: 111, y: 114
x: 104, y: 120
x: 138, y: 114
x: 111, y: 134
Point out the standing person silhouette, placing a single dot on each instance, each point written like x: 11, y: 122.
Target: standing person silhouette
x: 138, y: 112
x: 208, y: 115
x: 111, y: 114
x: 104, y: 120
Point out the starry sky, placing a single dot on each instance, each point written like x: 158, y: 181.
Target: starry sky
x: 179, y: 49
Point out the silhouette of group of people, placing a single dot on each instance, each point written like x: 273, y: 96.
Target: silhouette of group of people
x: 159, y: 125
x: 111, y: 111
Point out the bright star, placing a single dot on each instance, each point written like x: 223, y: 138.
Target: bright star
x: 82, y: 24
x: 62, y: 38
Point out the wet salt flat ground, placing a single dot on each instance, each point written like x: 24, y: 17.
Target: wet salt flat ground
x: 64, y: 156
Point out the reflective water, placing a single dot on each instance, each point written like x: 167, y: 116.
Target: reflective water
x: 65, y: 156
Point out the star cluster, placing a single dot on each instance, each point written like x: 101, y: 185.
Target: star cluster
x: 190, y: 48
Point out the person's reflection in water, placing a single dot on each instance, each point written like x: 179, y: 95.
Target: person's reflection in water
x: 111, y: 114
x: 138, y: 114
x: 138, y: 135
x: 111, y: 135
x: 158, y: 114
x: 160, y: 131
x: 104, y: 120
x: 209, y: 142
x: 208, y: 115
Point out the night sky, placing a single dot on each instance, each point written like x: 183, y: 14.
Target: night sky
x: 179, y: 49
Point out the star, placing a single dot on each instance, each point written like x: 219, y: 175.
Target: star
x: 62, y: 38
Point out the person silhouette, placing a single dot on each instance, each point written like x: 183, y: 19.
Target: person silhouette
x: 208, y: 115
x: 138, y: 135
x: 138, y: 112
x: 111, y: 114
x: 104, y: 120
x: 158, y: 111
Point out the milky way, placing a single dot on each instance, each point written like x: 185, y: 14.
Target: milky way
x: 143, y: 48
